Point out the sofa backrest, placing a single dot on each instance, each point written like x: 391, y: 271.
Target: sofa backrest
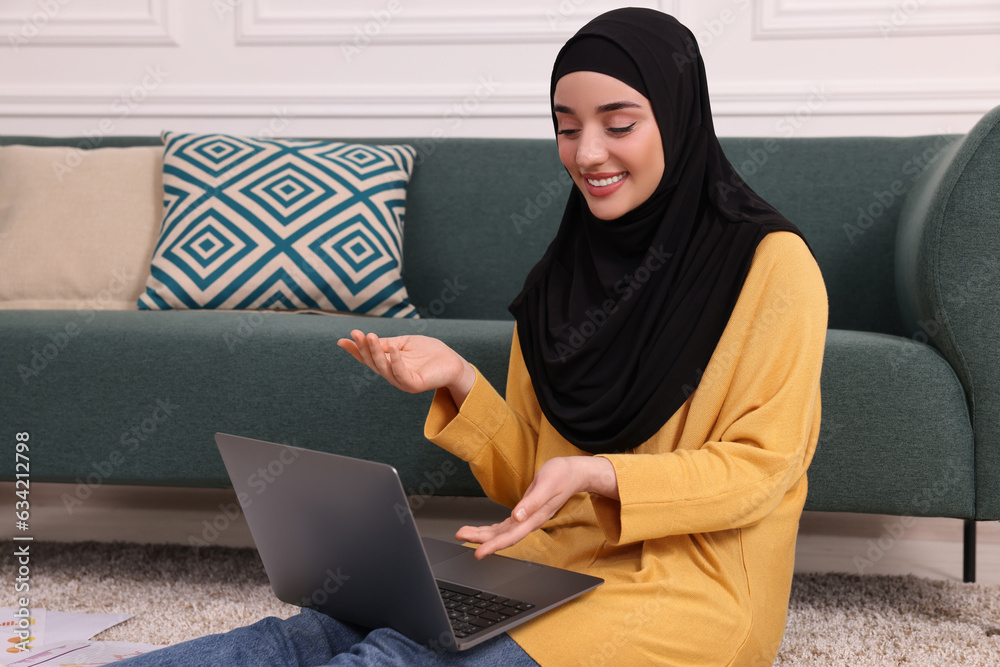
x: 480, y: 212
x: 483, y: 211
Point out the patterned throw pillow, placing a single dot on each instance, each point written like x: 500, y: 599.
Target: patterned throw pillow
x: 281, y: 224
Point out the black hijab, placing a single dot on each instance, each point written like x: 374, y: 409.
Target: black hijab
x: 619, y: 318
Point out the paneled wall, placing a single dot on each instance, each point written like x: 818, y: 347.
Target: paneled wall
x: 476, y: 68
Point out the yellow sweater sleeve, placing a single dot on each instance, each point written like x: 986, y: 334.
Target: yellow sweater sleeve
x: 496, y: 437
x: 765, y: 374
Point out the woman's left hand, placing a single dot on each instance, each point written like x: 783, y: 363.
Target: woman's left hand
x: 555, y: 482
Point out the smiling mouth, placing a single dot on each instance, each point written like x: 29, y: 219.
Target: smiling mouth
x: 604, y: 182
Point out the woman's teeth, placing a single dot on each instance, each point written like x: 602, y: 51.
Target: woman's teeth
x: 606, y: 181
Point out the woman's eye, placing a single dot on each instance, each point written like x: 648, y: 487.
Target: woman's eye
x: 623, y: 130
x: 612, y: 130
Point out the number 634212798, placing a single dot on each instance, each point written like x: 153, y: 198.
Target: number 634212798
x: 22, y: 472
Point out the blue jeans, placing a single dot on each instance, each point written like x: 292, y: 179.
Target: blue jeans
x: 313, y: 639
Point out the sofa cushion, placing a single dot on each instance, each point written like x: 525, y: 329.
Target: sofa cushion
x: 77, y: 228
x: 281, y: 224
x: 126, y: 417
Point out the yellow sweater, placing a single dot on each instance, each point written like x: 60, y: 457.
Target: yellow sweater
x: 697, y: 556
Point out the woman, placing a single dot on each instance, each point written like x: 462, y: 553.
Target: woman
x: 662, y: 402
x: 663, y: 446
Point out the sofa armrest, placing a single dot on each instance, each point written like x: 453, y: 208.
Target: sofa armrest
x: 948, y: 281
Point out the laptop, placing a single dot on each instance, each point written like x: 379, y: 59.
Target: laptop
x: 336, y: 534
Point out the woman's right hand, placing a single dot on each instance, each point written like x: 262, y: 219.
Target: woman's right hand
x: 413, y: 363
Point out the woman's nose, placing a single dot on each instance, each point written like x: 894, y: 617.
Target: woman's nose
x: 591, y: 150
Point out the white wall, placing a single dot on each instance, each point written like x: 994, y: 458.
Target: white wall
x: 475, y: 68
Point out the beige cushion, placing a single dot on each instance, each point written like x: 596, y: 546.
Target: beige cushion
x: 77, y: 227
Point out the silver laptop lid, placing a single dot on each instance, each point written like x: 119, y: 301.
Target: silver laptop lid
x: 360, y: 559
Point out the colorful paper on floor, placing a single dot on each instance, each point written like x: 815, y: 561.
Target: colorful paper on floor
x: 21, y: 631
x: 64, y: 626
x: 80, y: 654
x: 60, y: 638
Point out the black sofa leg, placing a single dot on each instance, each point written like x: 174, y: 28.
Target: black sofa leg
x: 969, y: 560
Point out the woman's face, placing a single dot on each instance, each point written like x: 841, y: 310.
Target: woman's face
x: 608, y: 141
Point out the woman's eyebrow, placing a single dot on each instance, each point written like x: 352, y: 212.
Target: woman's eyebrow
x: 604, y: 108
x: 615, y: 106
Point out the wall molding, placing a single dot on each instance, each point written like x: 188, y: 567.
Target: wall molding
x: 48, y: 26
x: 486, y: 99
x: 808, y: 19
x: 260, y: 22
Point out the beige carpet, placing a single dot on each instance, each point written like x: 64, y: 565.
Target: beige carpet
x: 178, y: 593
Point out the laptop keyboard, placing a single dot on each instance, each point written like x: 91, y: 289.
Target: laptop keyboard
x: 473, y: 611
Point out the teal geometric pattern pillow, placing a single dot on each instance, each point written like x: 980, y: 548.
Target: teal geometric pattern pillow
x: 281, y: 224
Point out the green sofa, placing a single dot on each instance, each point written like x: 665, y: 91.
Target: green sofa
x: 906, y: 232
